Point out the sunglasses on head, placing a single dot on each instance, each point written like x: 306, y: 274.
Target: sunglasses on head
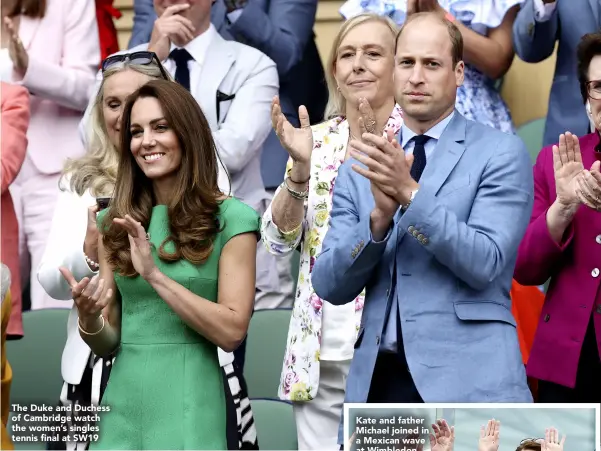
x: 144, y: 58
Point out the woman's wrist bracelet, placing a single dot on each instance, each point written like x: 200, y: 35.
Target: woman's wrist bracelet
x: 298, y: 183
x: 301, y: 195
x: 91, y: 263
x: 85, y: 332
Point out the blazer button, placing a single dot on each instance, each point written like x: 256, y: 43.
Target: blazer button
x: 410, y: 229
x: 599, y: 309
x: 598, y: 239
x: 595, y: 272
x: 547, y: 318
x: 378, y: 340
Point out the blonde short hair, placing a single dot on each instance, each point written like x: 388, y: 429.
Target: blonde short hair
x: 336, y: 102
x: 97, y: 169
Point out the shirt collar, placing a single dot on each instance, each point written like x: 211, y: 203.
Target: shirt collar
x: 434, y: 133
x: 199, y: 46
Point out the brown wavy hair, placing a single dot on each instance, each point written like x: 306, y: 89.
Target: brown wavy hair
x: 29, y: 8
x: 196, y: 196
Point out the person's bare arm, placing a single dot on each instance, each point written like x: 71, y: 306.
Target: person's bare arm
x: 107, y: 340
x: 226, y: 321
x: 492, y: 54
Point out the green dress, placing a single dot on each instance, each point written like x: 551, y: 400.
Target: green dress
x: 165, y: 390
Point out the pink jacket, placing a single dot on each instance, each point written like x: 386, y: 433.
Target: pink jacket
x: 575, y: 271
x: 64, y: 54
x: 15, y: 119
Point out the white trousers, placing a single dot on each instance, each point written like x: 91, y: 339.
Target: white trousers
x: 317, y: 421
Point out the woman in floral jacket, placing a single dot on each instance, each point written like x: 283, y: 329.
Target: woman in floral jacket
x: 321, y: 337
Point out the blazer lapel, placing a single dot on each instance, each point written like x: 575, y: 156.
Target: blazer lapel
x: 28, y: 27
x: 447, y: 153
x: 218, y: 61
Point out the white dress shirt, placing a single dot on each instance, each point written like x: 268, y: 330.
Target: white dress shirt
x: 434, y: 133
x: 197, y: 47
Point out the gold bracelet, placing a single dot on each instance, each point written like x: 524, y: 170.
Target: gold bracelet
x: 83, y: 331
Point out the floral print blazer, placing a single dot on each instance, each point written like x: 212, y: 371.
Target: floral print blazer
x: 300, y: 372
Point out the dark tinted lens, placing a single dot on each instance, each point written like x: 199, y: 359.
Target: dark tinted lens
x: 141, y: 60
x: 111, y: 61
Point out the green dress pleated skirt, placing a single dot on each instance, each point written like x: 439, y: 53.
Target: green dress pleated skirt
x: 166, y: 390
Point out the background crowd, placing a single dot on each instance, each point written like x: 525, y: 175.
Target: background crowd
x: 282, y: 125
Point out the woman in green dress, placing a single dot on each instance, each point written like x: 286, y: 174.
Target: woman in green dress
x: 176, y: 280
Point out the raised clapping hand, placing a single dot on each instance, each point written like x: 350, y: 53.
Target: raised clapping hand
x: 367, y: 121
x: 589, y: 187
x: 139, y: 242
x: 443, y: 438
x: 567, y: 165
x: 87, y: 295
x: 575, y: 185
x: 489, y: 436
x: 298, y: 142
x: 388, y: 169
x: 552, y: 441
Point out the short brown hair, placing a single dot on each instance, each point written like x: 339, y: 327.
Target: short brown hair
x: 454, y: 34
x: 588, y: 47
x: 29, y: 8
x: 529, y: 445
x: 196, y: 196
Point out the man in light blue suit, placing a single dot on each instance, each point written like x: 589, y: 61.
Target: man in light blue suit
x: 432, y: 233
x: 541, y: 24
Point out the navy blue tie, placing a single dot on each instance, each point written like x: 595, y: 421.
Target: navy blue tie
x: 419, y: 156
x: 182, y: 73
